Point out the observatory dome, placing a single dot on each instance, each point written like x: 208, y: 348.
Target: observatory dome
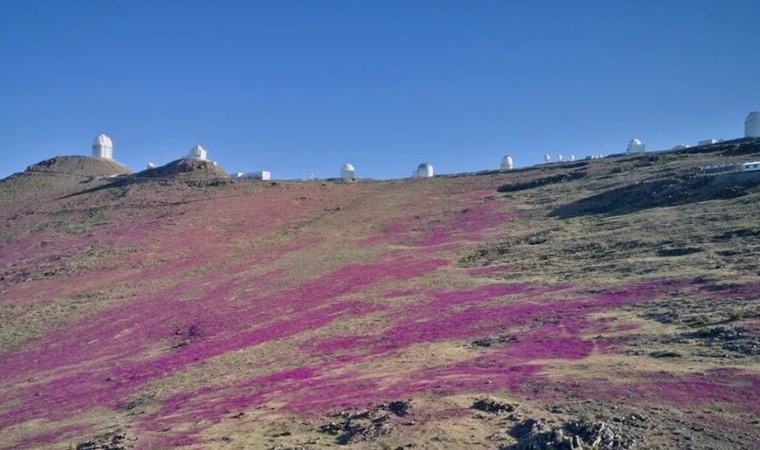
x: 424, y: 170
x: 752, y: 124
x: 506, y: 163
x: 197, y: 152
x: 102, y: 147
x: 348, y: 173
x: 636, y: 146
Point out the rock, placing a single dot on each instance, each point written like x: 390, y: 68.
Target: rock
x: 494, y: 340
x: 538, y: 435
x: 399, y: 407
x: 366, y: 425
x: 111, y: 441
x: 665, y: 354
x: 494, y: 406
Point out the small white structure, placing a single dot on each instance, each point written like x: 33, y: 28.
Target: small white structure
x: 506, y: 163
x: 680, y: 147
x: 198, y: 152
x: 151, y: 165
x: 751, y: 166
x: 102, y: 147
x: 263, y: 175
x: 752, y: 124
x: 424, y: 170
x: 348, y: 173
x: 547, y: 158
x: 572, y: 157
x: 708, y: 142
x: 560, y: 157
x: 715, y: 168
x: 636, y: 146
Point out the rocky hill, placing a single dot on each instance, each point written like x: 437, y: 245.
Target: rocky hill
x: 610, y: 303
x: 186, y: 169
x: 79, y: 165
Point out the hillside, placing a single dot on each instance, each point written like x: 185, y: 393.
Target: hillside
x: 613, y: 302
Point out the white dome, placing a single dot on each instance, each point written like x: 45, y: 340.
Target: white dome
x: 752, y: 124
x: 347, y: 172
x: 198, y: 152
x: 425, y: 170
x: 636, y: 146
x: 506, y: 163
x: 102, y: 140
x: 102, y: 147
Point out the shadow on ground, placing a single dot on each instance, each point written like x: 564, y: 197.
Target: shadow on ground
x: 660, y: 193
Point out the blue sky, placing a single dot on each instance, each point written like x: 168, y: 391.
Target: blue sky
x: 300, y: 87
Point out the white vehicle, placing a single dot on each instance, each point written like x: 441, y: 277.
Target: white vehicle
x: 751, y: 166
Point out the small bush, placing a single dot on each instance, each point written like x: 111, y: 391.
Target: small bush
x: 736, y: 314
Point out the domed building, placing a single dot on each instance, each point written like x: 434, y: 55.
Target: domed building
x: 348, y: 173
x: 424, y: 170
x: 636, y: 146
x: 506, y: 163
x: 198, y: 152
x: 752, y: 124
x: 102, y: 147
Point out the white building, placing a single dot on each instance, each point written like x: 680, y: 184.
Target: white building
x: 680, y: 147
x: 198, y: 152
x: 752, y: 124
x: 708, y: 141
x: 751, y: 166
x: 560, y: 157
x: 424, y: 170
x: 151, y: 165
x: 348, y: 173
x: 636, y: 146
x: 263, y: 175
x: 506, y: 163
x: 102, y: 147
x: 547, y: 158
x: 572, y: 157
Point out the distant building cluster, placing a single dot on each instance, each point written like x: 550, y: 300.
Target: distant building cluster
x: 102, y: 147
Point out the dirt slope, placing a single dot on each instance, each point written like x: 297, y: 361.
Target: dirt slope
x: 613, y: 302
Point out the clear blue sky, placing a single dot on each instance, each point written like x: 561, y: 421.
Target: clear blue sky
x: 300, y: 87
